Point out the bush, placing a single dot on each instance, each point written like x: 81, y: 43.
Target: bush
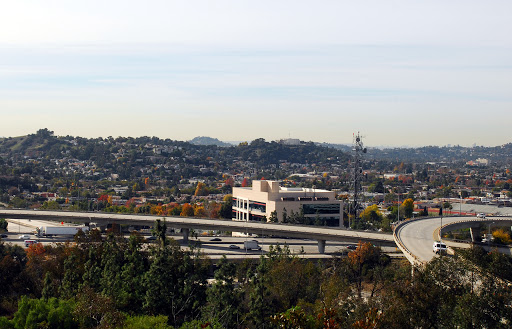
x: 3, y: 225
x: 501, y: 237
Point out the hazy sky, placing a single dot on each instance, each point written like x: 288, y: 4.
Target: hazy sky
x: 400, y: 72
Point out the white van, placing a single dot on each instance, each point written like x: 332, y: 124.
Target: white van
x: 439, y: 248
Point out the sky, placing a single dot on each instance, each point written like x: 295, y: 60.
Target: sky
x: 400, y: 72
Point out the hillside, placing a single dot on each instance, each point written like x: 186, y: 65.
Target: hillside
x: 203, y: 140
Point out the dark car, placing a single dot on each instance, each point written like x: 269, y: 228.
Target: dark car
x: 352, y: 247
x: 234, y: 247
x: 216, y: 239
x: 3, y: 236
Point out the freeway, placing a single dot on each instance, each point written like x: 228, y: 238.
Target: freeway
x: 213, y: 246
x: 321, y: 234
x: 415, y: 237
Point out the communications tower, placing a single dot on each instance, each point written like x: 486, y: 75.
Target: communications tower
x: 358, y: 149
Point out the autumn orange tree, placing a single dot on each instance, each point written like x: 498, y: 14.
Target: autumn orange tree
x: 201, y: 189
x: 187, y: 210
x: 365, y: 263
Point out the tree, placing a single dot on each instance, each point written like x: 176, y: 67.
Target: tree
x: 187, y: 210
x: 259, y: 307
x: 273, y: 217
x: 72, y: 277
x: 501, y: 237
x: 41, y: 313
x: 131, y: 296
x: 159, y: 230
x: 224, y: 299
x: 199, y: 211
x: 201, y: 189
x: 175, y: 284
x: 3, y: 225
x: 94, y: 310
x: 364, y: 263
x: 408, y: 207
x: 285, y: 216
x: 372, y: 214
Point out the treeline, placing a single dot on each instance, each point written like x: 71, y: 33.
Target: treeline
x: 123, y: 283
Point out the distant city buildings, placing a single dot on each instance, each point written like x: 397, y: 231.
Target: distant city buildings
x: 478, y: 162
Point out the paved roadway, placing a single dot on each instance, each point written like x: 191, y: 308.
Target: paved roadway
x: 418, y: 236
x: 321, y: 234
x: 415, y: 237
x: 214, y: 249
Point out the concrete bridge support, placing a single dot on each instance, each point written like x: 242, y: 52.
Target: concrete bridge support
x: 321, y: 246
x: 185, y: 232
x: 475, y: 234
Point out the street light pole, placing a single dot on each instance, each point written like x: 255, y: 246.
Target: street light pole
x: 441, y: 229
x: 460, y: 204
x: 398, y: 207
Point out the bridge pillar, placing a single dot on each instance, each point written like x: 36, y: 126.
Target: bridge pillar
x: 475, y: 234
x: 321, y: 246
x: 185, y: 232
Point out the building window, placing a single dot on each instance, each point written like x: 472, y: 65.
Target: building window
x: 258, y: 206
x: 313, y: 209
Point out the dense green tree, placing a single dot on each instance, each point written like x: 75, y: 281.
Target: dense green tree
x: 3, y: 225
x: 112, y: 261
x: 72, y: 277
x: 224, y: 299
x: 259, y: 295
x: 175, y: 284
x: 40, y: 313
x: 146, y: 322
x: 132, y: 293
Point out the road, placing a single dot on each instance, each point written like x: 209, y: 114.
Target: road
x: 214, y: 249
x: 418, y: 236
x: 321, y: 234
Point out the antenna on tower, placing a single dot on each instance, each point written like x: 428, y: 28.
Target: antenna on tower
x: 359, y: 150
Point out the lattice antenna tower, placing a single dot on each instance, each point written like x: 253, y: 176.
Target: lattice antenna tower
x: 358, y: 149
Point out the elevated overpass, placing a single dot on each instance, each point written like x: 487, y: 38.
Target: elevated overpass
x: 415, y: 237
x: 321, y: 234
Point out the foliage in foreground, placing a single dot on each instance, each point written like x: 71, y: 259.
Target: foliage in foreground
x: 115, y: 283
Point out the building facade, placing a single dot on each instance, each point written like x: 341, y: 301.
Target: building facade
x: 266, y: 200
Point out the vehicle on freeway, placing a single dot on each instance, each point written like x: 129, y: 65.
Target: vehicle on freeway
x: 234, y: 247
x: 439, y: 247
x: 151, y: 237
x: 24, y: 237
x: 251, y: 245
x: 480, y: 215
x: 28, y: 243
x: 216, y: 239
x: 60, y: 230
x: 352, y: 247
x: 3, y: 236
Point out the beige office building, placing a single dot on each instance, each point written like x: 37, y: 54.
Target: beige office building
x: 257, y: 203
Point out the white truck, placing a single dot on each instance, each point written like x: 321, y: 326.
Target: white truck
x: 60, y: 230
x: 250, y: 245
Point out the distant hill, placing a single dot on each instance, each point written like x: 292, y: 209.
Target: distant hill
x: 45, y: 143
x: 34, y: 144
x: 203, y: 140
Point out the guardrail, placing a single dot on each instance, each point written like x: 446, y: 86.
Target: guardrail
x: 408, y: 254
